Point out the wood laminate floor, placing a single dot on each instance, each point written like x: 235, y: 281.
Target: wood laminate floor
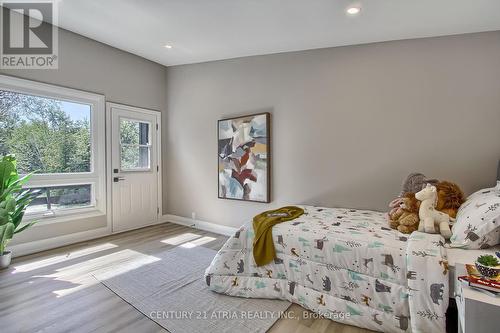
x: 55, y: 291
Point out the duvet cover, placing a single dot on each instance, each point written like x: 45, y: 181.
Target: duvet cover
x: 346, y: 265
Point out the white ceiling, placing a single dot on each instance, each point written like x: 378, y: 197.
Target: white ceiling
x: 205, y: 30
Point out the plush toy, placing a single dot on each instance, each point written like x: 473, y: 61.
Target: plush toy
x: 404, y: 214
x: 415, y: 182
x: 429, y: 216
x: 404, y: 210
x: 450, y: 198
x: 395, y: 206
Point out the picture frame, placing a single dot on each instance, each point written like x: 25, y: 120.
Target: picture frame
x: 244, y: 158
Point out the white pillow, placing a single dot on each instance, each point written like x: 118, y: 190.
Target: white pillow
x: 478, y: 220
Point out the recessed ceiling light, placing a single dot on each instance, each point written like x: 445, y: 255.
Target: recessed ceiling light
x: 167, y: 46
x: 353, y: 10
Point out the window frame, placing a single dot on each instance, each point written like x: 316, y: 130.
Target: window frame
x: 96, y: 177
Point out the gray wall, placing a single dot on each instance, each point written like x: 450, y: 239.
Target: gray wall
x: 348, y: 123
x: 92, y: 66
x: 95, y: 67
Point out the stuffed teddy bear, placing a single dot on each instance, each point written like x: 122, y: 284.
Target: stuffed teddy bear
x: 404, y: 214
x: 429, y: 216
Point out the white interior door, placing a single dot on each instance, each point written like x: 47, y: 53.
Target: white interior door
x: 135, y: 168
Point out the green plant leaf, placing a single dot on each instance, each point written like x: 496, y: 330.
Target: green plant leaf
x: 25, y: 198
x: 7, y: 169
x: 7, y: 172
x: 4, y: 220
x: 11, y: 205
x: 21, y: 181
x: 17, y: 219
x: 4, y: 212
x: 13, y: 200
x: 26, y: 194
x: 488, y: 260
x: 9, y: 191
x: 6, y: 233
x: 26, y: 226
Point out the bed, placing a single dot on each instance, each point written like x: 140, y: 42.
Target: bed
x: 346, y: 265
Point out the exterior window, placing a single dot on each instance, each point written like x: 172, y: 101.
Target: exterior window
x: 46, y: 135
x: 55, y: 198
x: 58, y: 134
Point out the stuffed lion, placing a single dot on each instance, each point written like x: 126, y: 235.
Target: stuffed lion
x: 450, y: 198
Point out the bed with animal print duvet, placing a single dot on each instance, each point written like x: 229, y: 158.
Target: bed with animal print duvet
x: 346, y: 265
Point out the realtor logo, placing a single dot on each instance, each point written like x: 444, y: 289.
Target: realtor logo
x: 29, y: 35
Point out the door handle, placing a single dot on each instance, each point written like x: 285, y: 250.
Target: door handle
x: 117, y: 179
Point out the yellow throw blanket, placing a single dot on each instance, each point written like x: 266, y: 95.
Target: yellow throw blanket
x: 263, y: 246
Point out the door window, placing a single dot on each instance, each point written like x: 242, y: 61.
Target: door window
x: 135, y: 145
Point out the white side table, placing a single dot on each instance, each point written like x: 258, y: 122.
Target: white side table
x: 477, y: 311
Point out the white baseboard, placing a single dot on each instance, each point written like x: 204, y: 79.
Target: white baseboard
x: 198, y: 224
x: 63, y: 240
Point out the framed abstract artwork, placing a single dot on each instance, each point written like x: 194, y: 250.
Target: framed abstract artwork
x: 244, y: 158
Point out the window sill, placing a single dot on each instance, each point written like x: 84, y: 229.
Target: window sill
x: 63, y: 218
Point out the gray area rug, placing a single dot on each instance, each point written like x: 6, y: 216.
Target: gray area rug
x: 172, y: 292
